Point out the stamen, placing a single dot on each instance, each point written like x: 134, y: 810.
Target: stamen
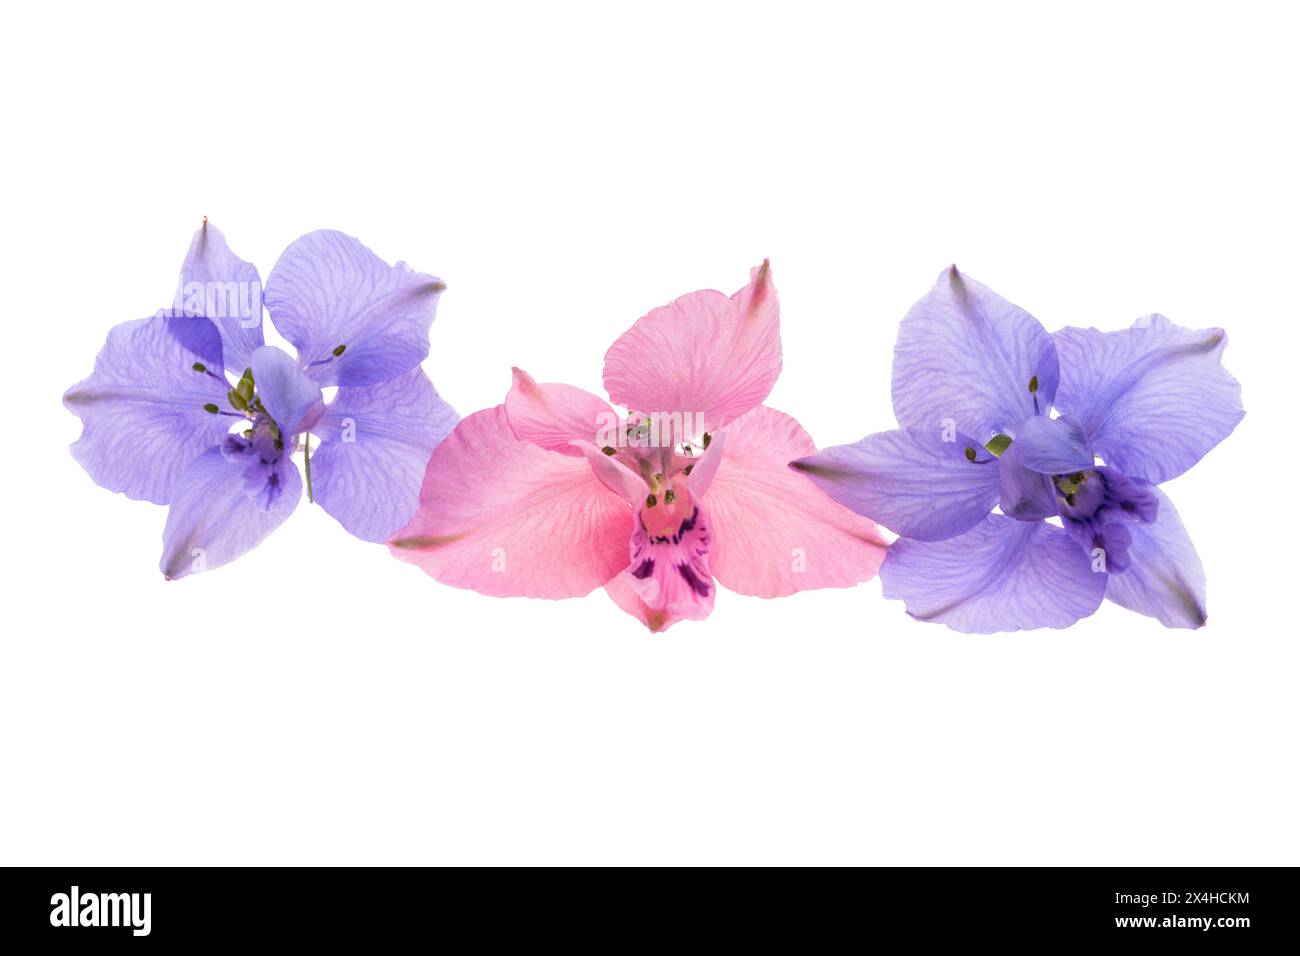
x: 210, y: 408
x: 607, y: 450
x: 651, y: 501
x: 705, y: 441
x: 669, y: 496
x: 970, y: 454
x: 998, y: 444
x: 340, y: 349
x: 687, y: 470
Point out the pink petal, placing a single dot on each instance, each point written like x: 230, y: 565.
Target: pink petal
x: 669, y: 567
x: 613, y: 474
x: 702, y: 354
x: 552, y: 416
x: 774, y: 532
x: 505, y: 518
x: 621, y: 592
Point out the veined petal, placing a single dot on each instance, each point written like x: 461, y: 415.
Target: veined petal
x: 1152, y: 399
x: 375, y: 443
x: 553, y: 416
x: 625, y: 596
x: 669, y: 568
x: 503, y: 517
x: 217, y: 284
x: 703, y: 354
x: 213, y: 518
x: 289, y: 395
x: 1002, y: 575
x: 142, y: 410
x: 968, y: 358
x: 773, y: 532
x: 919, y: 483
x: 705, y: 468
x: 1164, y: 578
x: 354, y: 319
x: 613, y: 474
x: 1024, y: 494
x: 1052, y: 446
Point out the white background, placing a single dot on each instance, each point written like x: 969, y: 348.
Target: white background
x: 565, y: 168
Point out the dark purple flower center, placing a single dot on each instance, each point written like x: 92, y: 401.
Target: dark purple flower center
x: 1097, y: 506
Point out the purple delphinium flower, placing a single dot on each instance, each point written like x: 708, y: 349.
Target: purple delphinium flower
x: 1078, y: 428
x: 191, y: 409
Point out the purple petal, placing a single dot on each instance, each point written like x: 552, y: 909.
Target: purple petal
x: 289, y: 395
x: 967, y: 356
x: 1164, y: 578
x: 219, y: 285
x: 1003, y: 575
x: 911, y: 480
x: 329, y: 292
x: 215, y: 517
x: 1025, y: 495
x: 142, y: 411
x: 1052, y: 446
x: 1152, y: 399
x: 375, y: 444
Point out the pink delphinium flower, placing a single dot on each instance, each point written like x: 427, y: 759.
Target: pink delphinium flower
x: 554, y: 494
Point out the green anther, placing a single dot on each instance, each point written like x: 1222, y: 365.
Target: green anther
x: 248, y: 433
x: 670, y: 496
x: 1033, y: 385
x: 608, y: 450
x: 707, y: 438
x: 237, y: 400
x: 651, y: 501
x: 970, y: 454
x: 245, y: 386
x: 1067, y: 485
x: 211, y: 409
x: 998, y: 444
x: 279, y: 445
x: 339, y: 350
x: 275, y: 431
x: 687, y: 470
x: 199, y: 367
x: 1069, y: 499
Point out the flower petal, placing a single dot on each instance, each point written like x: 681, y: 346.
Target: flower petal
x: 1052, y: 446
x: 287, y: 392
x: 142, y: 410
x: 1152, y: 399
x: 217, y: 284
x: 613, y: 474
x: 213, y: 518
x: 1164, y: 578
x: 375, y: 443
x: 329, y: 291
x: 503, y: 517
x: 669, y: 568
x: 553, y: 416
x: 773, y: 532
x: 625, y: 596
x: 967, y: 357
x: 1024, y: 494
x: 1002, y: 575
x: 911, y: 480
x: 703, y: 354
